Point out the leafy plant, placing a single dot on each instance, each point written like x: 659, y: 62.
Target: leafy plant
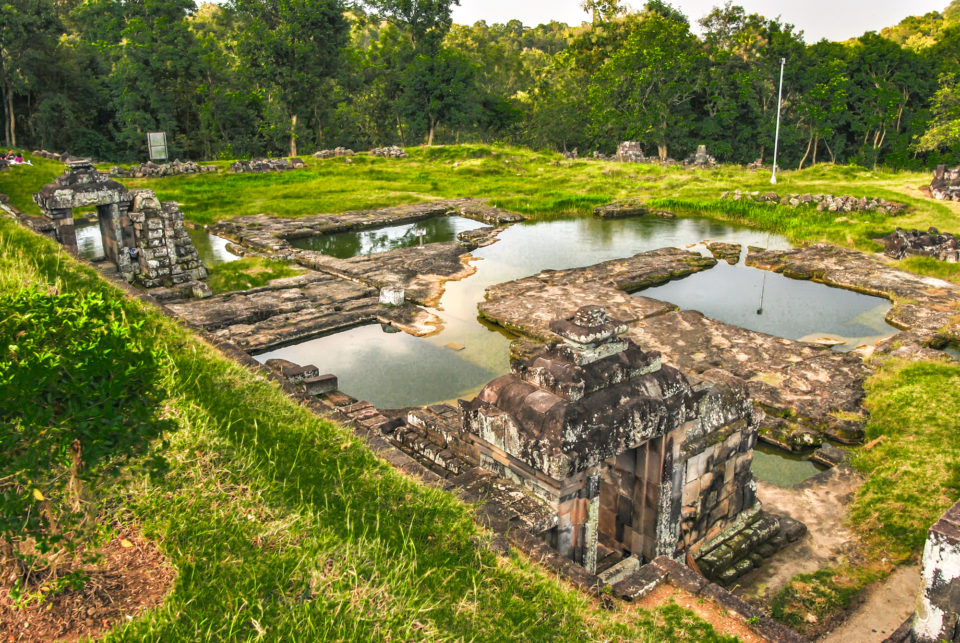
x: 78, y: 391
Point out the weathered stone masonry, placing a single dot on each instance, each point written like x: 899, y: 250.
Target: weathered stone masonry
x: 625, y: 451
x: 145, y: 239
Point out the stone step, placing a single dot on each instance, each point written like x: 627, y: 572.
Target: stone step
x: 620, y: 571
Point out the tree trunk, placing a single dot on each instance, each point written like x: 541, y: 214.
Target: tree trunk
x: 805, y: 154
x: 400, y: 129
x: 816, y: 144
x: 433, y: 127
x: 662, y: 151
x: 293, y: 135
x: 13, y: 124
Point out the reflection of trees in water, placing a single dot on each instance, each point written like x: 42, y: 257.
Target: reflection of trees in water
x: 351, y: 244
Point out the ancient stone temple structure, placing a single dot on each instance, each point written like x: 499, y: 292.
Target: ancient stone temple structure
x: 626, y: 451
x: 145, y: 239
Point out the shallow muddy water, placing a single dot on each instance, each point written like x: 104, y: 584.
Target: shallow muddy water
x: 344, y: 245
x: 783, y: 469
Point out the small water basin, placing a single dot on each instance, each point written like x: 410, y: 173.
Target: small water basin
x: 770, y: 303
x: 345, y: 245
x: 781, y: 468
x: 211, y: 248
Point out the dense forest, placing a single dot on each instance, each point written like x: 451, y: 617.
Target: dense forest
x: 257, y: 77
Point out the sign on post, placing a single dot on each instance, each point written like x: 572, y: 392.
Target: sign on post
x: 157, y: 145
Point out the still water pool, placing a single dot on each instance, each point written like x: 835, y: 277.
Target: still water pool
x: 212, y: 249
x: 780, y: 468
x: 344, y: 245
x: 394, y: 370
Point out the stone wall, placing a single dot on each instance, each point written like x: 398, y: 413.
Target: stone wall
x: 334, y: 153
x: 391, y: 152
x: 259, y: 166
x: 151, y: 169
x: 822, y: 202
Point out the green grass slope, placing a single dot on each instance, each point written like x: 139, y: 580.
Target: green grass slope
x: 282, y: 526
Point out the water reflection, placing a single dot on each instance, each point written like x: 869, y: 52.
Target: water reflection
x: 399, y: 370
x: 212, y: 249
x: 352, y: 244
x: 790, y: 308
x: 89, y: 239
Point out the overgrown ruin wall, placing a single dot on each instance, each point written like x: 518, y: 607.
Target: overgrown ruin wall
x: 938, y: 603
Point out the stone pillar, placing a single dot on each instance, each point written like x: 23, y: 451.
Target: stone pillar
x: 591, y: 525
x: 938, y: 603
x: 66, y: 233
x: 392, y: 295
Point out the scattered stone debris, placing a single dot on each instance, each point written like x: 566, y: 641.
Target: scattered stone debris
x: 391, y: 152
x: 572, y: 155
x: 830, y: 456
x: 700, y: 159
x: 758, y: 165
x: 729, y: 252
x: 145, y: 239
x: 621, y: 209
x: 64, y: 157
x: 600, y: 156
x: 914, y: 243
x: 946, y: 183
x: 823, y: 202
x: 267, y: 165
x: 334, y: 153
x: 151, y: 169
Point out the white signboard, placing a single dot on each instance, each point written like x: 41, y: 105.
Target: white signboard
x: 157, y: 144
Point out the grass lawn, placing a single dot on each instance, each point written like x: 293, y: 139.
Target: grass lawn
x: 247, y: 273
x: 281, y: 525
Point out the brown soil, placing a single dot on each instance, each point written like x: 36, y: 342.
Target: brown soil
x: 131, y: 577
x: 722, y: 621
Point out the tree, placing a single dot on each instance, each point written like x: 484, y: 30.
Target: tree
x: 428, y: 21
x: 644, y: 90
x: 944, y: 131
x: 28, y: 33
x: 291, y: 47
x: 440, y: 89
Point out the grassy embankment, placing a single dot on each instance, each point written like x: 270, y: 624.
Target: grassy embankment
x: 282, y: 526
x: 912, y: 474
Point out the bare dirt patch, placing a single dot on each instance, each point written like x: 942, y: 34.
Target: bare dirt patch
x: 822, y: 504
x: 133, y: 576
x: 722, y: 621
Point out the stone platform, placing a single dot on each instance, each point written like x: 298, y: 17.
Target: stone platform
x: 808, y: 392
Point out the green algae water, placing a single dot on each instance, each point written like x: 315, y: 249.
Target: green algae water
x: 783, y: 469
x: 344, y: 245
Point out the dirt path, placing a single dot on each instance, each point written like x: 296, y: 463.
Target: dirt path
x: 820, y: 503
x: 887, y: 604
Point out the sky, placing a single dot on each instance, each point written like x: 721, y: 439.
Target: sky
x: 831, y: 19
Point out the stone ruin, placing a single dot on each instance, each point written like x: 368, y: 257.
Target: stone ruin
x: 145, y: 239
x: 334, y: 153
x: 630, y: 152
x: 946, y: 183
x: 700, y: 159
x: 391, y: 152
x: 64, y: 157
x: 151, y: 169
x: 259, y: 166
x: 914, y: 243
x: 823, y: 202
x: 629, y: 455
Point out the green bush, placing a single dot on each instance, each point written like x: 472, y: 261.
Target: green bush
x: 78, y: 391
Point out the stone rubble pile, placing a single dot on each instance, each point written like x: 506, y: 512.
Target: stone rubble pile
x: 946, y: 183
x: 334, y: 153
x: 823, y: 202
x: 932, y: 243
x: 572, y: 155
x: 53, y: 156
x: 267, y: 165
x: 700, y: 159
x: 151, y: 169
x: 630, y: 152
x: 391, y: 152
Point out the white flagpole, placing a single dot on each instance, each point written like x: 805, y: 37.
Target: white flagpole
x: 776, y: 140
